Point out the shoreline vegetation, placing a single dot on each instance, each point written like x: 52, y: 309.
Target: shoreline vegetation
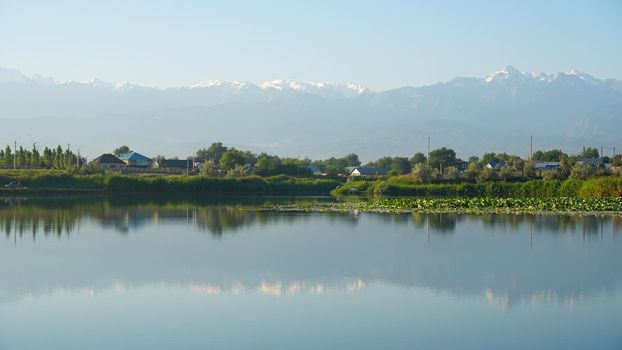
x: 597, y: 187
x: 61, y: 182
x: 599, y: 195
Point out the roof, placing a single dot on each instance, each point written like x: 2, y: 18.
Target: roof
x: 178, y: 163
x: 133, y: 156
x: 591, y: 161
x: 107, y: 158
x: 496, y: 165
x: 369, y: 170
x: 537, y: 164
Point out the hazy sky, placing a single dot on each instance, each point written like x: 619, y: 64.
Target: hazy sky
x: 381, y: 44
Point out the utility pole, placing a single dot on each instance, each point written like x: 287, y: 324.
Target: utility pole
x: 78, y: 159
x: 530, y: 148
x: 34, y: 152
x: 15, y: 155
x: 428, y: 158
x: 601, y: 151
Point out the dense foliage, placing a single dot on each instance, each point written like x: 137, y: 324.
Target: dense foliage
x: 169, y: 184
x: 596, y: 187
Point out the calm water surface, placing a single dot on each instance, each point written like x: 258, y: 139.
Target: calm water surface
x: 121, y: 274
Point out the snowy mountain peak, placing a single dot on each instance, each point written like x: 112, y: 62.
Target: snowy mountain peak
x: 506, y: 73
x: 12, y: 75
x: 208, y: 84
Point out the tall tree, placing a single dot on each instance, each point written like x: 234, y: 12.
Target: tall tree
x: 213, y: 152
x: 442, y: 156
x: 119, y: 151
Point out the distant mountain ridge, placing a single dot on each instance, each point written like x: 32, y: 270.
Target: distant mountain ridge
x: 472, y: 115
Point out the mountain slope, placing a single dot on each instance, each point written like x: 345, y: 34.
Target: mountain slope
x: 471, y: 115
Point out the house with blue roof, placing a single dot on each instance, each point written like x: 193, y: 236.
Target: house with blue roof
x: 495, y: 165
x: 135, y: 160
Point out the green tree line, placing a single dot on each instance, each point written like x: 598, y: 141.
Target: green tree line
x: 50, y: 158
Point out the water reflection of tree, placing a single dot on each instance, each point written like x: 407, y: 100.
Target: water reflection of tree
x: 437, y: 222
x: 58, y: 216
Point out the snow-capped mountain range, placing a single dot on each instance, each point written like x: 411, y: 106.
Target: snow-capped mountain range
x: 472, y: 115
x: 325, y: 89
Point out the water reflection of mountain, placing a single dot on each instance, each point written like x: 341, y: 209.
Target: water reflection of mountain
x: 507, y: 259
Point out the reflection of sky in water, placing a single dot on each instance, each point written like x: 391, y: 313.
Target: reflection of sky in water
x: 339, y: 279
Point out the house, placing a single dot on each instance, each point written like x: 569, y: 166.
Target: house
x: 135, y: 160
x: 108, y: 161
x: 495, y: 165
x: 597, y: 162
x: 541, y: 165
x: 461, y: 165
x: 367, y: 171
x: 181, y: 164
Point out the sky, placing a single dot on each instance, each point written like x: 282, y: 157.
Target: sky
x: 380, y: 44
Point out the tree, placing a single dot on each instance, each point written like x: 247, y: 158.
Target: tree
x: 589, y: 153
x: 233, y: 157
x: 239, y: 170
x: 384, y: 162
x: 473, y: 159
x: 444, y: 156
x: 121, y: 151
x: 214, y: 152
x: 553, y: 155
x: 617, y: 160
x: 418, y: 158
x: 488, y: 174
x: 582, y: 172
x: 399, y: 166
x: 423, y: 173
x: 352, y: 160
x: 267, y: 165
x: 473, y: 170
x: 489, y: 158
x: 452, y: 173
x: 209, y: 168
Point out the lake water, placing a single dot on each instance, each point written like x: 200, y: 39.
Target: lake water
x: 188, y: 274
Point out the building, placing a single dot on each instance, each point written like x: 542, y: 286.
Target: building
x: 108, y: 161
x: 135, y: 160
x: 367, y: 171
x: 181, y: 164
x: 597, y: 162
x: 541, y: 165
x: 495, y: 165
